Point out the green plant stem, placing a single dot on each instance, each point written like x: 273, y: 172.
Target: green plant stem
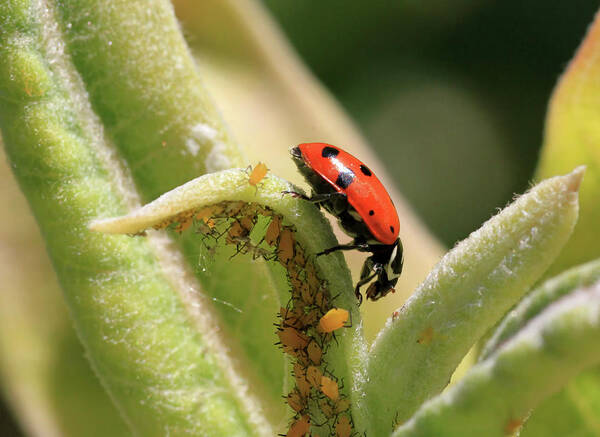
x: 414, y: 356
x: 537, y: 300
x: 165, y: 375
x: 496, y: 396
x: 345, y: 355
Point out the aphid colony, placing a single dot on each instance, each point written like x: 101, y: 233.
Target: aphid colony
x: 306, y: 325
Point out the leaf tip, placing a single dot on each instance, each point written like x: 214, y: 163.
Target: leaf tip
x: 575, y: 178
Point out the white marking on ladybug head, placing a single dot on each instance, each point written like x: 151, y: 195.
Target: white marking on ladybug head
x: 394, y: 266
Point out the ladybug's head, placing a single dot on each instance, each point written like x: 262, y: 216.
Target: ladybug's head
x: 388, y: 273
x: 296, y: 153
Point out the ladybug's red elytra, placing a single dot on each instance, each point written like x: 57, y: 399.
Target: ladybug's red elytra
x: 346, y: 188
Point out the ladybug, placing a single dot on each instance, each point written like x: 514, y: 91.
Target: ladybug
x: 346, y: 188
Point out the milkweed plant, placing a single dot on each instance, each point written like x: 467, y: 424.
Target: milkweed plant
x: 194, y: 286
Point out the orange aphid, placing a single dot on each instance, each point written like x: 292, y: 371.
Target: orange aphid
x: 343, y: 427
x: 295, y: 400
x: 315, y: 352
x: 512, y: 426
x: 236, y: 230
x: 206, y: 212
x: 234, y: 208
x: 326, y: 408
x: 285, y: 250
x: 273, y: 230
x: 184, y: 225
x: 291, y: 339
x: 299, y: 259
x: 259, y: 171
x: 395, y: 315
x: 247, y: 222
x: 321, y: 300
x: 426, y: 336
x: 301, y: 380
x: 334, y: 319
x: 306, y: 295
x: 330, y: 388
x: 342, y: 406
x: 299, y: 428
x: 313, y: 375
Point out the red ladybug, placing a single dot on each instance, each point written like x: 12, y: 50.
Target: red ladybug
x: 346, y: 188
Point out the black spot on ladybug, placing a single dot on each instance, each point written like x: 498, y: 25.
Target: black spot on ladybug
x: 392, y: 229
x: 344, y: 179
x: 365, y: 170
x: 371, y: 212
x: 329, y: 152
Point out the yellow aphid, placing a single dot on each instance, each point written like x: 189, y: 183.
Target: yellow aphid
x: 334, y: 319
x: 330, y: 388
x: 258, y: 173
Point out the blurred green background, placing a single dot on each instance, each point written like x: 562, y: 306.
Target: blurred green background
x: 451, y: 94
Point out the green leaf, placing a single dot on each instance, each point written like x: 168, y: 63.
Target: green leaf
x: 163, y: 365
x: 344, y: 355
x: 571, y: 138
x: 101, y: 113
x: 414, y: 356
x: 537, y: 300
x: 496, y: 396
x: 572, y: 411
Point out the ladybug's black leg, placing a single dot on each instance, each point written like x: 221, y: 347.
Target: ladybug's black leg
x: 317, y: 198
x: 364, y: 278
x: 360, y: 246
x: 296, y: 194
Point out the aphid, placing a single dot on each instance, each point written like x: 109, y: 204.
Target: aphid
x: 343, y: 428
x: 330, y: 388
x: 342, y: 405
x: 313, y: 375
x: 326, y: 408
x: 292, y: 340
x: 296, y: 401
x: 346, y: 188
x: 315, y: 352
x: 512, y: 426
x: 285, y: 250
x: 272, y: 234
x: 299, y: 428
x: 184, y: 225
x: 259, y: 171
x: 334, y: 319
x: 301, y: 380
x: 426, y: 336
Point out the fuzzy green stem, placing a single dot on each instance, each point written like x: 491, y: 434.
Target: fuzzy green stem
x: 540, y: 298
x: 497, y: 395
x: 164, y: 372
x: 414, y: 356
